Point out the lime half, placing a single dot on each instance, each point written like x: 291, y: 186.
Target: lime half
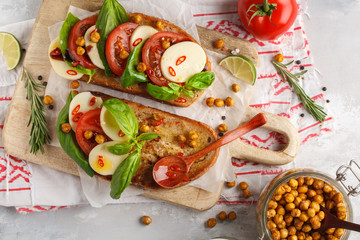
x: 241, y: 67
x: 10, y: 49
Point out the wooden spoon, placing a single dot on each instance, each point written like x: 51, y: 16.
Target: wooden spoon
x: 331, y: 221
x: 170, y: 171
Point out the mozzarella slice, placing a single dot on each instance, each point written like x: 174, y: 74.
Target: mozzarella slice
x: 82, y: 103
x: 182, y: 60
x: 104, y: 162
x: 140, y: 34
x: 60, y: 67
x: 110, y: 127
x: 92, y: 50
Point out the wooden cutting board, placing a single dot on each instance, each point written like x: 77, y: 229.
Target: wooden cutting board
x: 16, y: 133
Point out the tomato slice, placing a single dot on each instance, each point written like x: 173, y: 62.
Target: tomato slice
x: 89, y: 121
x: 79, y: 30
x: 118, y: 40
x: 152, y: 52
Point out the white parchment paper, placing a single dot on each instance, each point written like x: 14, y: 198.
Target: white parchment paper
x: 178, y: 12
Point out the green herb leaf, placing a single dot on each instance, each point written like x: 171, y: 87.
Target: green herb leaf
x: 188, y: 93
x: 175, y: 87
x: 162, y: 93
x: 200, y: 81
x: 123, y: 174
x: 68, y: 24
x: 123, y: 116
x: 120, y: 148
x: 68, y: 140
x: 131, y: 76
x: 147, y: 136
x: 111, y: 15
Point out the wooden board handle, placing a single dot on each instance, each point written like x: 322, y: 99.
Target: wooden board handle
x: 242, y: 150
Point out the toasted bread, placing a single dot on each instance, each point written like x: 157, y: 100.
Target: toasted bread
x: 101, y: 79
x: 169, y: 126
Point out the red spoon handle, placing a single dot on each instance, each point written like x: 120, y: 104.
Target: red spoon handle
x: 254, y: 123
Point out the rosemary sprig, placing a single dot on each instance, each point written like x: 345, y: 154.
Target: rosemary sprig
x: 39, y: 134
x: 315, y: 110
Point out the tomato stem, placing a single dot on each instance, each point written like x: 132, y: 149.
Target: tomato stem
x: 262, y: 10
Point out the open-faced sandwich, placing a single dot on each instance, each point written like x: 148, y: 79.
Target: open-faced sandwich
x: 121, y: 140
x: 133, y: 53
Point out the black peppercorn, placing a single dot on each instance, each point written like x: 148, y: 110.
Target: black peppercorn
x: 324, y: 88
x: 223, y: 117
x: 302, y: 115
x: 327, y: 100
x: 297, y: 61
x: 24, y: 50
x: 40, y: 77
x: 44, y: 83
x: 221, y: 134
x: 51, y: 107
x: 302, y: 68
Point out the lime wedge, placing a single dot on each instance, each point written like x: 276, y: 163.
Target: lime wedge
x: 10, y: 49
x: 241, y: 67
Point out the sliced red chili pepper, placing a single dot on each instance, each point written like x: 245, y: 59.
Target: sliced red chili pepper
x: 180, y: 154
x: 172, y: 72
x: 75, y: 110
x: 92, y: 101
x: 180, y: 60
x: 180, y: 100
x: 71, y: 72
x: 100, y: 161
x: 170, y: 174
x: 175, y: 168
x: 75, y: 64
x: 159, y: 122
x: 121, y: 134
x: 77, y: 117
x: 137, y: 41
x: 185, y: 179
x: 182, y: 146
x: 55, y: 52
x: 95, y: 30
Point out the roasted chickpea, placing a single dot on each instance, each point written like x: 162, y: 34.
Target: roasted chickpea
x: 192, y: 144
x: 332, y: 193
x: 229, y: 101
x: 280, y: 190
x: 287, y: 188
x: 270, y: 213
x: 159, y: 25
x: 222, y: 128
x: 293, y: 183
x: 211, y: 222
x: 88, y: 134
x: 219, y: 102
x: 66, y: 127
x: 243, y: 185
x: 165, y: 44
x: 311, y: 193
x: 219, y: 44
x: 341, y: 211
x: 316, y: 225
x: 124, y: 54
x: 210, y: 101
x: 48, y: 100
x: 321, y: 215
x: 232, y: 215
x: 272, y: 204
x: 181, y: 138
x: 80, y: 51
x: 309, y: 181
x: 271, y: 225
x: 146, y: 220
x: 137, y: 19
x: 315, y: 206
x: 293, y: 237
x: 331, y: 237
x: 275, y: 235
x: 277, y: 197
x: 284, y: 233
x: 297, y: 201
x: 75, y: 92
x: 280, y: 210
x: 301, y: 236
x: 308, y: 238
x: 294, y: 193
x: 327, y: 188
x: 316, y: 235
x: 300, y: 181
x: 236, y: 88
x: 193, y: 135
x: 222, y: 215
x: 282, y: 201
x: 337, y: 198
x: 339, y: 232
x: 141, y: 67
x: 288, y: 219
x: 319, y: 191
x: 298, y: 223
x: 330, y: 230
x: 99, y: 138
x: 231, y: 184
x: 303, y: 189
x: 302, y: 196
x: 74, y: 84
x: 289, y: 207
x: 80, y: 41
x: 318, y: 198
x: 279, y: 57
x: 144, y: 128
x: 246, y: 193
x: 311, y: 212
x: 295, y: 213
x: 95, y: 37
x: 281, y: 225
x: 289, y: 198
x: 318, y: 184
x: 306, y: 228
x: 303, y: 217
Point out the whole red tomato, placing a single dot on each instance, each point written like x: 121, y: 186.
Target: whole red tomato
x: 267, y: 19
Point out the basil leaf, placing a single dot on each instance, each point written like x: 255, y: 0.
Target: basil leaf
x: 175, y: 87
x: 188, y: 93
x: 120, y: 148
x: 111, y: 15
x: 200, y: 81
x: 124, y: 173
x: 131, y: 76
x: 162, y: 93
x: 68, y: 24
x: 147, y: 136
x: 123, y: 116
x: 68, y: 140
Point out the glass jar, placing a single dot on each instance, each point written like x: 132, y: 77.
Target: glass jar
x: 283, y: 178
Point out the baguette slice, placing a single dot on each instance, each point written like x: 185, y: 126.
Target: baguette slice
x: 101, y: 79
x: 171, y: 126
